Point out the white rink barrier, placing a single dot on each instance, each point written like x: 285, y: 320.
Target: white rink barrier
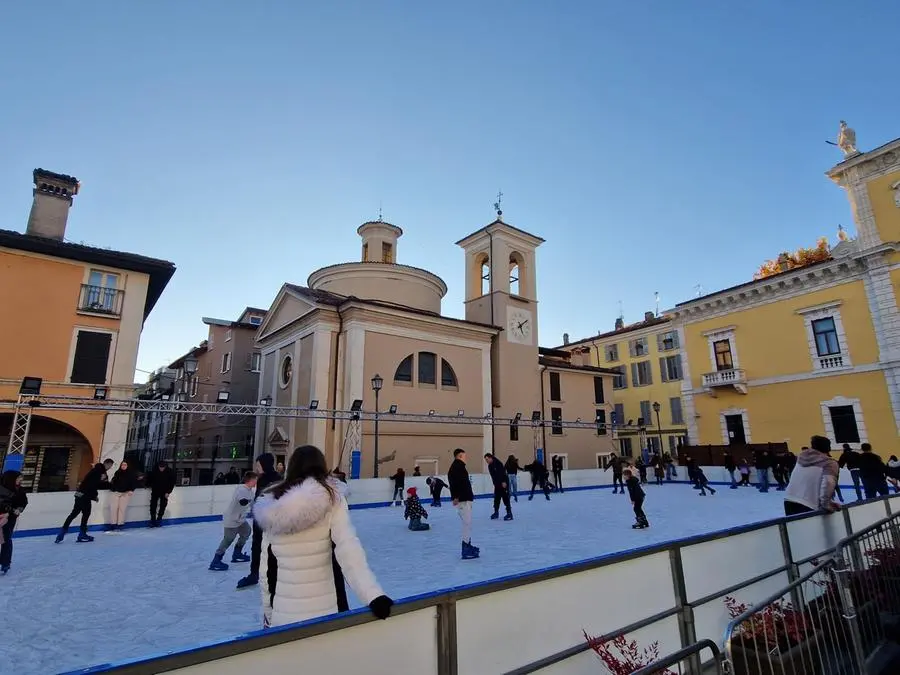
x: 671, y: 593
x: 47, y: 510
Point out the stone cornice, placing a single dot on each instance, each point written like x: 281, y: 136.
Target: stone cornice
x: 879, y: 161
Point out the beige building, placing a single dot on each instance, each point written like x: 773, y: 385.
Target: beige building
x: 325, y: 341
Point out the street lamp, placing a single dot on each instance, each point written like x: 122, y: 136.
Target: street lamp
x: 656, y: 408
x: 377, y: 384
x: 189, y: 368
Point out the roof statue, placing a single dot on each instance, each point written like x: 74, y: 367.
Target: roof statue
x: 846, y: 140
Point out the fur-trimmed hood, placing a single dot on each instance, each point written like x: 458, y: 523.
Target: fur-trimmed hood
x: 298, y: 509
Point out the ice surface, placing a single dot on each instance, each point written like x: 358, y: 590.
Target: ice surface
x: 148, y: 591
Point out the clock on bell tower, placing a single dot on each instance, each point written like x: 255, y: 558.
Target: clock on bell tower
x: 501, y: 290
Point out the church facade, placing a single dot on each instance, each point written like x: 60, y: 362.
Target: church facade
x: 326, y: 341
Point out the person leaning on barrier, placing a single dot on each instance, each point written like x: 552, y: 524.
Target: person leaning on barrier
x: 813, y: 480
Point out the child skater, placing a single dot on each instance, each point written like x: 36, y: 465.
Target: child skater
x: 235, y: 524
x: 659, y: 469
x: 702, y: 481
x: 636, y: 494
x: 744, y: 469
x: 415, y: 512
x: 436, y: 485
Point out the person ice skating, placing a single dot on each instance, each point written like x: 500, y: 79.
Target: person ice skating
x: 232, y: 477
x: 234, y: 524
x: 762, y: 463
x: 462, y: 495
x: 161, y: 482
x: 636, y: 494
x: 730, y: 468
x: 121, y: 489
x: 744, y: 470
x: 702, y: 481
x: 659, y: 469
x: 872, y: 473
x: 557, y: 465
x: 13, y: 500
x: 539, y: 475
x: 399, y: 479
x: 417, y: 471
x: 894, y: 465
x: 265, y: 476
x: 501, y: 486
x: 300, y: 518
x: 641, y: 466
x: 812, y: 483
x: 691, y: 465
x: 617, y: 464
x: 414, y: 512
x: 84, y: 496
x: 848, y: 460
x: 436, y: 486
x: 512, y: 472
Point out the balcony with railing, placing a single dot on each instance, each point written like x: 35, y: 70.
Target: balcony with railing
x: 100, y: 300
x: 732, y: 377
x: 831, y: 362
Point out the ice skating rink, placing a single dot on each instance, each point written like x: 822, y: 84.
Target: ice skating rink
x: 143, y: 592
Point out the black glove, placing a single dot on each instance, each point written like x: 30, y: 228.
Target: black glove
x: 381, y: 606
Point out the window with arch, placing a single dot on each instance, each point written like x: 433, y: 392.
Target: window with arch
x: 427, y: 368
x: 515, y: 274
x: 404, y: 370
x: 287, y: 370
x: 448, y: 377
x: 484, y: 273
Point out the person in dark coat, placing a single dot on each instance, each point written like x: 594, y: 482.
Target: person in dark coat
x: 539, y: 476
x: 730, y: 467
x: 87, y: 493
x: 267, y: 476
x: 557, y: 465
x: 121, y: 488
x: 399, y: 479
x: 849, y: 459
x: 501, y: 486
x: 414, y: 512
x: 13, y: 500
x: 232, y: 477
x: 872, y: 472
x: 161, y: 482
x: 436, y: 485
x: 463, y: 496
x: 636, y: 494
x: 616, y: 463
x: 512, y: 471
x: 762, y: 464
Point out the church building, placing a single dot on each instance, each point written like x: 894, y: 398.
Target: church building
x: 376, y: 318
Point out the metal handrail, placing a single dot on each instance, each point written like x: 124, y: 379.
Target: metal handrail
x: 681, y: 655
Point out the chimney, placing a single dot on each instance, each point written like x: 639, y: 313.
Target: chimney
x: 620, y: 323
x: 577, y: 358
x: 565, y: 338
x: 53, y: 194
x: 649, y: 316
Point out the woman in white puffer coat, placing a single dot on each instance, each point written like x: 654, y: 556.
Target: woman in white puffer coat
x: 300, y: 517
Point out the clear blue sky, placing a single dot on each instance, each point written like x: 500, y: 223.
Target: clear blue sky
x: 656, y: 145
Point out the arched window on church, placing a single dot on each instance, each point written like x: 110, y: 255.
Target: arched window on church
x: 515, y: 274
x: 448, y: 377
x: 404, y: 370
x: 485, y: 274
x: 427, y: 367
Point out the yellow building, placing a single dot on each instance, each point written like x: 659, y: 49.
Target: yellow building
x: 648, y: 358
x: 810, y: 350
x: 74, y: 316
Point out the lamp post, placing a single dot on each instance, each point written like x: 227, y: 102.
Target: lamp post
x: 377, y: 384
x: 189, y: 366
x: 656, y: 407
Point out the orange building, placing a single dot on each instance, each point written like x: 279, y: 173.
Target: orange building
x: 73, y: 316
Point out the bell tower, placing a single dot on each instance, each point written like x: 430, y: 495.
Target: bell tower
x: 501, y: 290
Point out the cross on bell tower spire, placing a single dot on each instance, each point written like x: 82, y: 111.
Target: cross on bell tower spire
x: 497, y: 206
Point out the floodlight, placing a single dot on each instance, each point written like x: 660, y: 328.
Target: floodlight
x: 165, y: 397
x: 535, y: 415
x: 31, y: 386
x: 518, y: 416
x: 460, y: 413
x: 393, y: 409
x: 265, y: 401
x: 314, y: 404
x: 100, y: 393
x: 223, y: 397
x: 577, y: 420
x: 431, y: 413
x: 356, y: 406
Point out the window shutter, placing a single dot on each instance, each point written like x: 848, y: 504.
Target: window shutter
x: 663, y: 375
x: 678, y: 371
x: 631, y: 349
x: 649, y: 372
x: 91, y: 357
x: 660, y: 340
x: 634, y: 375
x: 675, y: 339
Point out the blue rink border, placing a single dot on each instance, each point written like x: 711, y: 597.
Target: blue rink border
x: 138, y: 524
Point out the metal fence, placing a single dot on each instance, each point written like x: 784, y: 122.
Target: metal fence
x: 837, y: 618
x: 687, y: 662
